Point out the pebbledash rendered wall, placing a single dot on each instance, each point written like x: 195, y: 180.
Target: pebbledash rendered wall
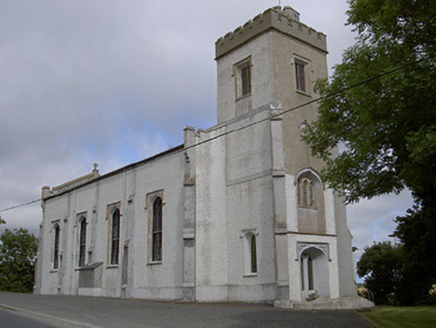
x: 129, y: 187
x: 225, y: 186
x: 235, y: 185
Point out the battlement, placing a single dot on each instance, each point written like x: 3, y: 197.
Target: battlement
x: 285, y: 20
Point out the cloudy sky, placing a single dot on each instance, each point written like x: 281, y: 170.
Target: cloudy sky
x: 114, y: 82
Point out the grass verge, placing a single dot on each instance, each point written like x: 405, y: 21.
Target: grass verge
x: 399, y: 317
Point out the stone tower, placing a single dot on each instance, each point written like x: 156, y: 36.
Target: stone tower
x: 259, y: 61
x: 266, y: 72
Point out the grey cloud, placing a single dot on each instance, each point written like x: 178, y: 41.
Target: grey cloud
x: 373, y: 220
x: 116, y: 81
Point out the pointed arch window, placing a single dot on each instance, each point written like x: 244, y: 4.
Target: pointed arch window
x: 115, y: 239
x: 56, y: 242
x: 157, y: 230
x: 253, y: 254
x: 82, y: 241
x: 306, y: 192
x: 249, y: 244
x: 310, y: 201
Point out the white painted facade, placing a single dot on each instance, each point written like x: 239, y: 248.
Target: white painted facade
x: 244, y: 213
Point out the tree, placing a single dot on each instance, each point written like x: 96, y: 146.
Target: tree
x: 387, y: 123
x: 417, y: 232
x: 18, y: 250
x: 381, y: 106
x: 381, y: 266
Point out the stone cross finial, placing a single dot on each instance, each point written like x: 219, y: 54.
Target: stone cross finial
x: 95, y: 172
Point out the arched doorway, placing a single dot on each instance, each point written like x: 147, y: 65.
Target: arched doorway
x: 314, y: 273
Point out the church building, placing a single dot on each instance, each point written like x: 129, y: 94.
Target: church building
x: 238, y: 212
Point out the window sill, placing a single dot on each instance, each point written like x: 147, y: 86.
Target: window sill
x: 80, y: 268
x: 112, y: 266
x: 303, y: 93
x: 243, y: 97
x: 54, y: 270
x: 250, y: 275
x: 154, y: 263
x: 307, y: 208
x: 90, y: 266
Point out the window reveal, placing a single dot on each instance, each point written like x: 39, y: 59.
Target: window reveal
x: 57, y: 232
x: 253, y: 254
x: 242, y: 73
x: 246, y: 80
x: 115, y: 244
x: 82, y: 242
x: 299, y: 76
x: 157, y: 230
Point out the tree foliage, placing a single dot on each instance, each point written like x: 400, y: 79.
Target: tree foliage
x: 386, y: 117
x: 381, y: 266
x: 417, y: 232
x: 18, y: 249
x: 381, y: 106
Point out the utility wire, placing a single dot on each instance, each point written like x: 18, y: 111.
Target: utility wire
x: 21, y: 205
x: 392, y: 71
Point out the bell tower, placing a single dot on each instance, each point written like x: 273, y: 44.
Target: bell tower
x: 272, y: 57
x: 266, y: 70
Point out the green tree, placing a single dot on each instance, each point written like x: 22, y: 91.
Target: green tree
x: 381, y: 267
x: 381, y: 106
x: 417, y: 232
x: 388, y: 122
x: 18, y: 249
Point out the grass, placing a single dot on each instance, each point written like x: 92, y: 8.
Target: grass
x: 399, y: 317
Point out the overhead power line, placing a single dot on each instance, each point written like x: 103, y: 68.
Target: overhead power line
x: 21, y: 205
x: 392, y: 71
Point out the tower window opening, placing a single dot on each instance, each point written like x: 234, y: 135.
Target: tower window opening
x: 246, y: 80
x: 242, y: 73
x: 306, y: 193
x: 300, y: 75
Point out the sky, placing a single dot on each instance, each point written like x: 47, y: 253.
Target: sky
x: 113, y: 82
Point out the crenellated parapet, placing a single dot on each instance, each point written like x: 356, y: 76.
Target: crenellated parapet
x: 285, y: 20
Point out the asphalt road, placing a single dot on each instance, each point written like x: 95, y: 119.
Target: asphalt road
x: 8, y: 319
x: 75, y: 311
